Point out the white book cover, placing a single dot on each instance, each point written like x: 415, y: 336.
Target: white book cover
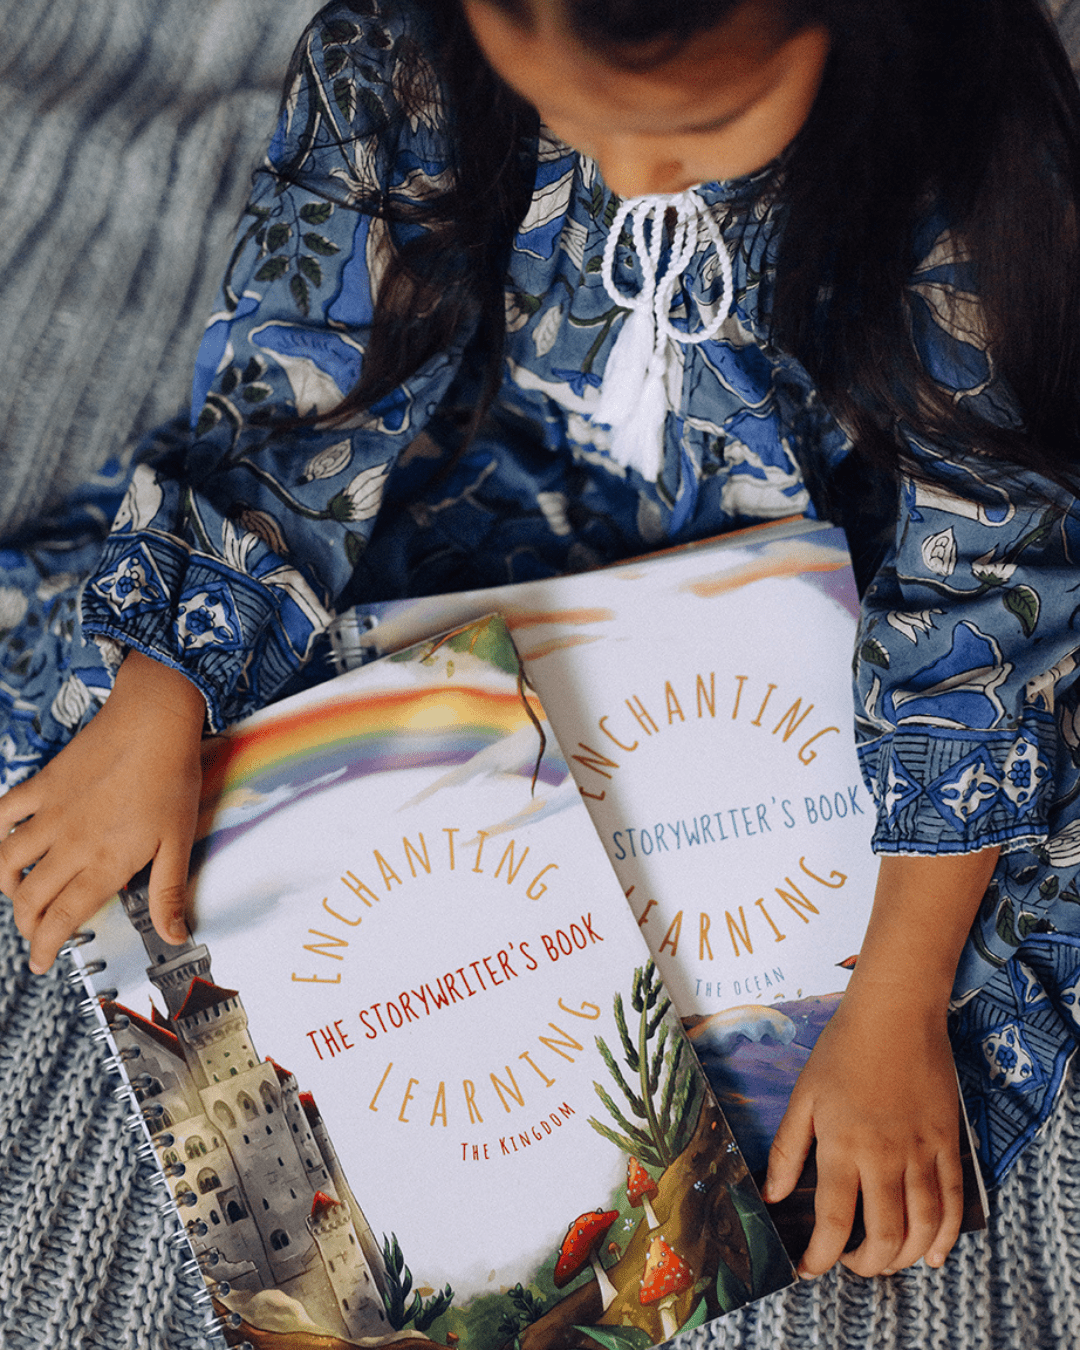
x: 703, y: 698
x: 415, y: 1078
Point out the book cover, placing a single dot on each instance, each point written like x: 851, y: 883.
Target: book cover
x: 415, y: 1078
x: 703, y: 699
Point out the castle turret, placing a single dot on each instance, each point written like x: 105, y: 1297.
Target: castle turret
x: 372, y: 1254
x: 212, y: 1025
x: 171, y: 968
x: 358, y: 1300
x: 253, y: 1172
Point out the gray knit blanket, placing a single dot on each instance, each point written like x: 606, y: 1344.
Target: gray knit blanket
x: 128, y: 129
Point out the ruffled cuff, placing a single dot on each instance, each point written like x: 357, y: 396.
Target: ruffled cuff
x: 236, y: 638
x: 946, y: 791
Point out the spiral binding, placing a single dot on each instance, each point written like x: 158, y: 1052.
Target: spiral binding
x: 140, y: 1121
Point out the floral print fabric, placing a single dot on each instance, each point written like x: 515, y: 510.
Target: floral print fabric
x: 233, y: 546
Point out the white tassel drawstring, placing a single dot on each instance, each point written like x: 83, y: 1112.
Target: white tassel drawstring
x: 640, y: 378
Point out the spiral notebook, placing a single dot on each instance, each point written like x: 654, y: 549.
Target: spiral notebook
x: 415, y: 1077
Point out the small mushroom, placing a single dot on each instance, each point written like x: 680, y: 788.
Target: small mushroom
x: 613, y: 1249
x: 452, y: 1339
x: 580, y: 1248
x: 666, y: 1276
x: 640, y: 1189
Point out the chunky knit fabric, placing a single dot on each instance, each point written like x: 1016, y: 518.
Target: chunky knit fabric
x: 128, y: 131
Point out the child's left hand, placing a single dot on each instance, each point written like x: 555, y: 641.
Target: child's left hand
x: 879, y: 1095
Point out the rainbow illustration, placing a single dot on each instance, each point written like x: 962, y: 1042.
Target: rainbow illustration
x: 268, y: 762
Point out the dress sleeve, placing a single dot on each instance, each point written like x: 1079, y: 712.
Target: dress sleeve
x: 227, y: 554
x: 970, y: 631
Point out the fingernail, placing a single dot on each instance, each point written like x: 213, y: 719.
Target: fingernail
x: 888, y: 1272
x: 178, y: 931
x: 37, y: 969
x: 935, y: 1259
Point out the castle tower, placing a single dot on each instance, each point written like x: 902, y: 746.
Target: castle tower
x: 358, y: 1300
x: 372, y: 1253
x: 171, y: 969
x: 247, y: 1160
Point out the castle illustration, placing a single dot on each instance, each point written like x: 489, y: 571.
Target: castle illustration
x: 246, y: 1153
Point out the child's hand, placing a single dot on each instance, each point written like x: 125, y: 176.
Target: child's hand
x: 879, y: 1094
x: 879, y: 1091
x: 123, y: 792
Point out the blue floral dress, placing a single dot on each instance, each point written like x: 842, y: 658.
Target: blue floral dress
x: 233, y: 543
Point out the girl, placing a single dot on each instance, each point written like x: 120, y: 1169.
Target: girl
x: 532, y: 285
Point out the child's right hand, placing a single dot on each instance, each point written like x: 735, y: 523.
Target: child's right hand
x: 125, y: 791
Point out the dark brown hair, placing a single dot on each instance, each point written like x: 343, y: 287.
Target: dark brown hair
x: 966, y: 108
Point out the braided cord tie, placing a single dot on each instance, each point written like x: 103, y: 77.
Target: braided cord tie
x: 642, y: 380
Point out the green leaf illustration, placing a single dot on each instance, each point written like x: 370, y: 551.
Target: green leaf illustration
x: 354, y: 547
x: 1006, y: 922
x: 768, y: 1265
x: 318, y: 243
x: 278, y: 235
x: 620, y: 1338
x: 272, y: 269
x: 636, y: 1104
x: 316, y: 213
x: 208, y: 418
x: 335, y: 32
x: 310, y: 269
x: 1024, y: 603
x: 697, y: 1318
x: 372, y: 106
x: 300, y: 294
x: 255, y: 393
x: 335, y: 60
x: 1029, y: 923
x: 345, y: 98
x: 642, y: 1152
x: 874, y: 653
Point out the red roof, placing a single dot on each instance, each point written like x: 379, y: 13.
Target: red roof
x: 162, y: 1035
x: 159, y: 1019
x: 283, y: 1075
x: 307, y: 1101
x: 202, y: 995
x: 322, y: 1204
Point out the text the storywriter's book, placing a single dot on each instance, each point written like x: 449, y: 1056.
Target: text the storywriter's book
x: 416, y: 1079
x: 703, y: 698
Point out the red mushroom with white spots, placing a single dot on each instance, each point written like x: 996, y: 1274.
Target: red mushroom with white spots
x: 666, y: 1277
x: 640, y: 1189
x: 581, y: 1247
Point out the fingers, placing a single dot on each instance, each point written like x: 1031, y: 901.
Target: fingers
x: 74, y: 905
x: 788, y: 1154
x: 19, y: 802
x: 20, y: 848
x: 168, y: 890
x: 835, y: 1199
x: 951, y: 1185
x: 908, y: 1218
x: 885, y: 1220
